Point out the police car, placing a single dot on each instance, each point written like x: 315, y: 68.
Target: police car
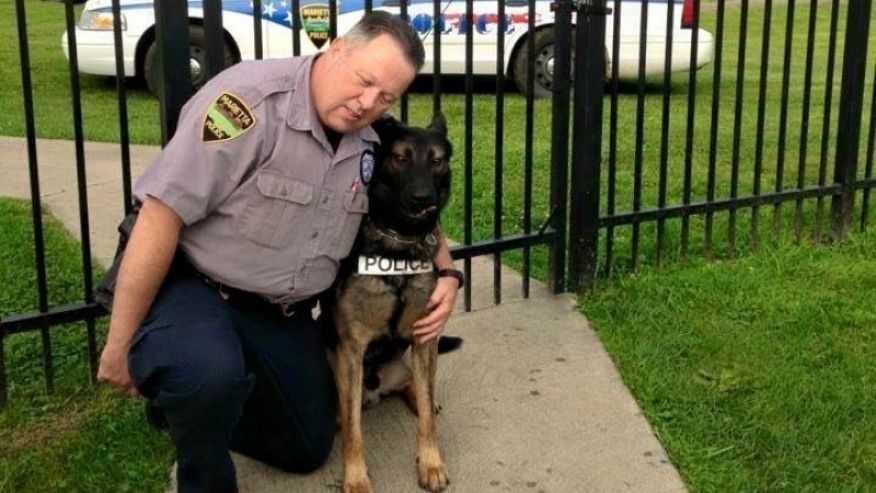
x: 94, y: 36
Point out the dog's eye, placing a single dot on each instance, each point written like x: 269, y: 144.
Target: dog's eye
x: 400, y: 159
x: 437, y: 162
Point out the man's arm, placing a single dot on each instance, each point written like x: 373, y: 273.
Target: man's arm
x: 147, y: 259
x: 443, y: 299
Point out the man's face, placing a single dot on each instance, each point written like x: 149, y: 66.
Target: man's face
x: 352, y: 85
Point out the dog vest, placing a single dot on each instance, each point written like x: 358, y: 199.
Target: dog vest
x: 375, y: 265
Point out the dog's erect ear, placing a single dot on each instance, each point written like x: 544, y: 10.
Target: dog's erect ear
x: 439, y: 124
x: 386, y: 126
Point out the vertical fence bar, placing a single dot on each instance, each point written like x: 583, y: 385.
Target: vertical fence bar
x: 713, y: 138
x: 214, y: 37
x: 499, y: 153
x: 36, y: 204
x: 560, y: 141
x: 369, y: 6
x: 664, y: 131
x: 612, y: 137
x: 825, y: 123
x: 761, y: 109
x: 868, y: 170
x: 404, y: 100
x: 640, y: 132
x: 737, y: 127
x: 469, y: 125
x: 81, y: 179
x: 172, y: 36
x: 333, y: 19
x: 257, y: 28
x: 689, y: 133
x: 530, y: 130
x: 122, y: 97
x: 804, y: 121
x: 296, y: 27
x: 437, y: 26
x: 587, y: 143
x: 851, y: 108
x: 783, y: 119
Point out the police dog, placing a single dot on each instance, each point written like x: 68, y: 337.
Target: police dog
x: 375, y: 304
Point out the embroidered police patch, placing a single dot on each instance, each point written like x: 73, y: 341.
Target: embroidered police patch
x: 228, y: 117
x: 366, y: 166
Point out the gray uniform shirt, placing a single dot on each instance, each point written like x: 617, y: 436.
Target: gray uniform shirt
x: 268, y: 206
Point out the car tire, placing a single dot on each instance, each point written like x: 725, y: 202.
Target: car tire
x: 152, y: 72
x: 544, y: 55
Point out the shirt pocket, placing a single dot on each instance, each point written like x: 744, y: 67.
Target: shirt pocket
x: 355, y: 206
x: 278, y: 206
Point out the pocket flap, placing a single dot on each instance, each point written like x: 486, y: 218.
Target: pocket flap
x: 356, y: 202
x: 281, y: 187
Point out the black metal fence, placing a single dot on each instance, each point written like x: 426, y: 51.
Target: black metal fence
x: 595, y: 215
x: 563, y: 201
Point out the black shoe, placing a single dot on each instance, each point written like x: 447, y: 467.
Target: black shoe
x: 155, y: 417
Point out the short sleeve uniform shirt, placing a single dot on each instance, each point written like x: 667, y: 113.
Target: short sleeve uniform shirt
x: 268, y: 206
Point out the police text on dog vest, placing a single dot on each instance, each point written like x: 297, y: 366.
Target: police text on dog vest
x: 382, y: 266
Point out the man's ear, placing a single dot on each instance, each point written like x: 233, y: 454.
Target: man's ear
x: 337, y: 46
x: 439, y: 124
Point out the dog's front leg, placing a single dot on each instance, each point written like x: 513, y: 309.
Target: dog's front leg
x: 431, y: 469
x: 348, y: 373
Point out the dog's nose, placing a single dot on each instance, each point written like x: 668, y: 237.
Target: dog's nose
x: 422, y: 199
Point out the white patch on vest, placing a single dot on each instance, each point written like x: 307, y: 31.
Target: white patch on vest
x: 382, y: 266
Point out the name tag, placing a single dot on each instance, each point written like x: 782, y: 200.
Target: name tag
x: 382, y: 266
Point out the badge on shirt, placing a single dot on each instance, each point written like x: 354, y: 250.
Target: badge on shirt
x: 383, y: 266
x: 228, y: 117
x: 366, y: 167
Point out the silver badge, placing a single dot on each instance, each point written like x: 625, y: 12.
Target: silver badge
x: 366, y: 166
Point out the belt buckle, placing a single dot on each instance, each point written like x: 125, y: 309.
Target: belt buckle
x: 288, y: 309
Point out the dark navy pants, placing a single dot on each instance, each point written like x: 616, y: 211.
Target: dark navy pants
x: 227, y: 378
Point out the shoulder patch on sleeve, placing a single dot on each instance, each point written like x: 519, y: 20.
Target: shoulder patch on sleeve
x: 227, y: 117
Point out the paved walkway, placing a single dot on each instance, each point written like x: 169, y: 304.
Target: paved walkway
x: 531, y: 403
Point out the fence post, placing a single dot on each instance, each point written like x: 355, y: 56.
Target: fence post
x: 213, y: 34
x: 587, y: 142
x: 560, y: 141
x: 851, y: 109
x: 172, y: 36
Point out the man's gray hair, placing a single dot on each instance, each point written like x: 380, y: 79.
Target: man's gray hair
x: 378, y: 22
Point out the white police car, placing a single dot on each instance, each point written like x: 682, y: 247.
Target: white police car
x: 94, y: 36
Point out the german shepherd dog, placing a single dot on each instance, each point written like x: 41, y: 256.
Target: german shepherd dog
x: 373, y: 310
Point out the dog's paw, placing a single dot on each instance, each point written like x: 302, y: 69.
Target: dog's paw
x: 433, y: 477
x: 360, y: 486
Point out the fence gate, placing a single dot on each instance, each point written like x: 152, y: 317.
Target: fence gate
x: 720, y: 139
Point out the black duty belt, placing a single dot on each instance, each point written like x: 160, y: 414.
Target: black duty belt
x: 249, y: 301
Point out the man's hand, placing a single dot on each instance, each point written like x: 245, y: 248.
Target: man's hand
x: 441, y: 305
x: 114, y: 371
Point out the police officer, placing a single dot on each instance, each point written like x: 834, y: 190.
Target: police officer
x: 245, y: 216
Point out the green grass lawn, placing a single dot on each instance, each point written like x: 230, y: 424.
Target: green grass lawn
x: 756, y: 374
x: 80, y: 438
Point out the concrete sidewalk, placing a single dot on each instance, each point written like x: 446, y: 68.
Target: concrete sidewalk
x: 531, y: 403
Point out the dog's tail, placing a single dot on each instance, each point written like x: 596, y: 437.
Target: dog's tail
x: 447, y: 344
